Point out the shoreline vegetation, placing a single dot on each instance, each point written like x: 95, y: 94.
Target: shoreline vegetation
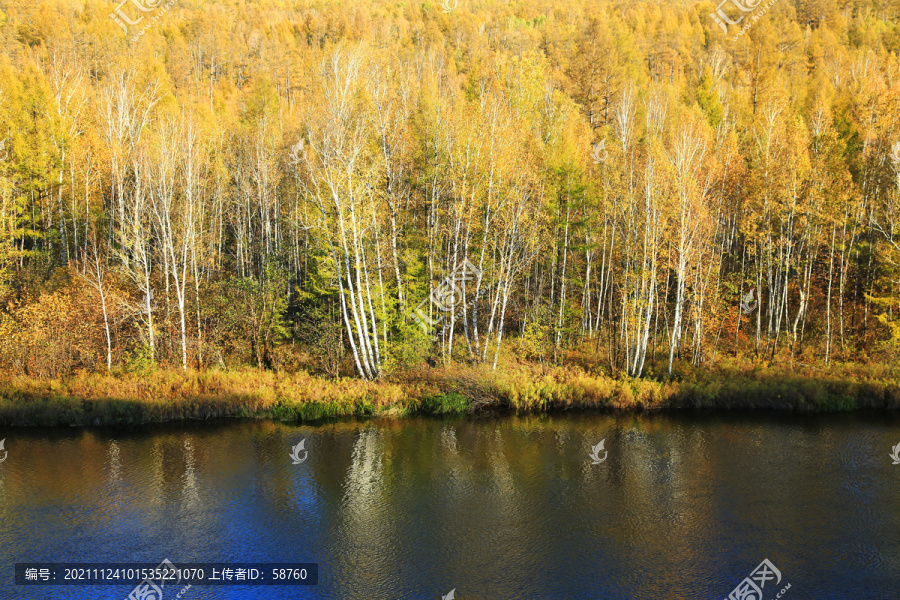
x: 295, y: 210
x: 121, y: 399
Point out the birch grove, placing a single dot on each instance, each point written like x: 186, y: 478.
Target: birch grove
x: 365, y: 191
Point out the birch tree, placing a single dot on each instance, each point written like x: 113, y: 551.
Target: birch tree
x: 336, y: 179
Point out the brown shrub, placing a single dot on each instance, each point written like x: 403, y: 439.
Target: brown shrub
x: 60, y: 332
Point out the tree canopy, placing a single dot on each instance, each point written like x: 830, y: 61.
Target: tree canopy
x: 297, y: 184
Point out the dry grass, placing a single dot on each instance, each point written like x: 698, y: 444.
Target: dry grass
x: 165, y: 395
x: 523, y: 387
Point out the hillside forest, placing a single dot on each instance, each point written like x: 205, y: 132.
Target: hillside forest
x: 356, y: 189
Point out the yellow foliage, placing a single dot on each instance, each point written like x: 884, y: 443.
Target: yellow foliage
x: 61, y: 331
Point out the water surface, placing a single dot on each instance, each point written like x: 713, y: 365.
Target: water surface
x: 684, y: 507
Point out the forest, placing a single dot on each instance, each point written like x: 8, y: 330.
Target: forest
x: 360, y: 190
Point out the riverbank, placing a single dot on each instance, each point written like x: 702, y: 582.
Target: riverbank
x: 166, y: 395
